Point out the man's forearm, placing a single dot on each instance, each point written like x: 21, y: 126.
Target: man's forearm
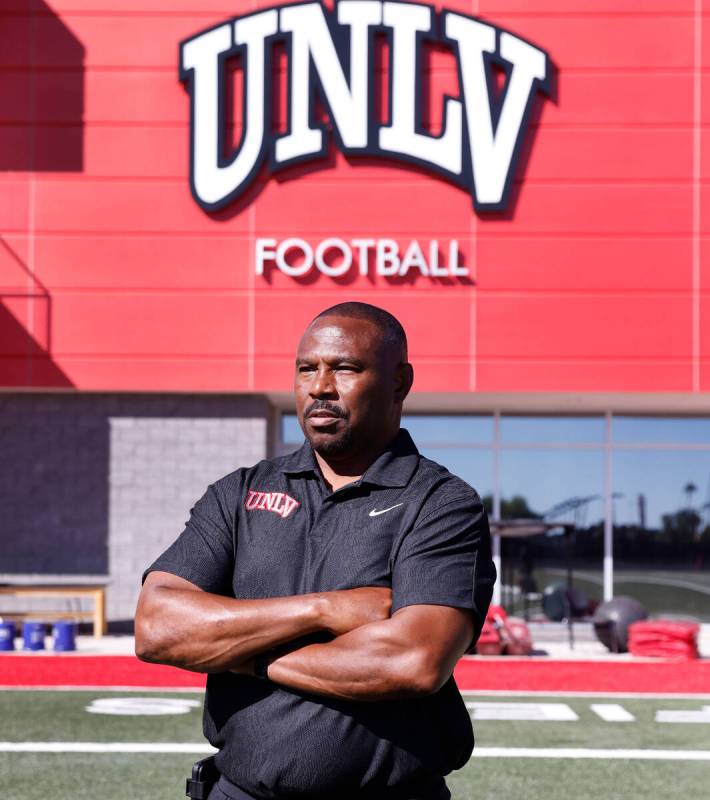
x: 411, y: 654
x: 366, y: 664
x: 209, y: 633
x: 179, y: 624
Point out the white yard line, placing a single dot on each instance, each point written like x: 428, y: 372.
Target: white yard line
x: 152, y: 689
x: 620, y: 695
x: 479, y: 752
x: 106, y: 747
x: 585, y: 752
x: 612, y: 712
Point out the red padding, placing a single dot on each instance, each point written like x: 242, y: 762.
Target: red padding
x: 492, y: 674
x: 664, y: 639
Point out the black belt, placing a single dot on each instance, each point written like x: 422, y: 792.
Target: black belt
x: 233, y: 792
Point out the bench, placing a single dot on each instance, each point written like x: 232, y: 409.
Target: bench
x: 66, y: 591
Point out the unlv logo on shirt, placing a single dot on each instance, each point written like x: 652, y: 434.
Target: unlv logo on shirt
x: 278, y: 502
x: 332, y: 53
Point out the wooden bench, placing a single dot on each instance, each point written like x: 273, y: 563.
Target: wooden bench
x: 75, y: 592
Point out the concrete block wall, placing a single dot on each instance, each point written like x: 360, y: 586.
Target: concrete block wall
x: 98, y: 485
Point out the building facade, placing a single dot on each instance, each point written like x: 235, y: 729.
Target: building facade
x: 185, y: 185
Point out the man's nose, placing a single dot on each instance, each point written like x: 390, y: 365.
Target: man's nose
x: 323, y: 384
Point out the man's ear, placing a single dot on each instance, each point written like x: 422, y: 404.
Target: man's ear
x: 403, y: 381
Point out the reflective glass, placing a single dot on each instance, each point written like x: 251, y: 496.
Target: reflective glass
x: 656, y: 430
x: 474, y: 465
x: 552, y: 430
x: 448, y: 429
x: 561, y: 486
x: 662, y: 530
x: 291, y: 432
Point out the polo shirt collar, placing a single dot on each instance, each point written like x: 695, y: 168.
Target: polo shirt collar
x: 394, y: 467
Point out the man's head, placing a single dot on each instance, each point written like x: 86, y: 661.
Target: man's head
x: 352, y: 376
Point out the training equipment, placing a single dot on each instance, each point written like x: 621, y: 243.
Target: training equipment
x: 64, y: 636
x: 33, y: 635
x: 611, y: 621
x: 664, y: 639
x: 502, y: 634
x: 561, y: 603
x: 7, y: 636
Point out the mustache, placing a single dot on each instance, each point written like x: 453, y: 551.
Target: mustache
x: 324, y: 405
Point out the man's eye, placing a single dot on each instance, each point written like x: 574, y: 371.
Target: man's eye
x: 306, y: 368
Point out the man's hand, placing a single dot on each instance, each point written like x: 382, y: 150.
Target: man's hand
x: 348, y: 609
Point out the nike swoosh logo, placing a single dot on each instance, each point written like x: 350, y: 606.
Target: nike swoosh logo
x: 374, y: 513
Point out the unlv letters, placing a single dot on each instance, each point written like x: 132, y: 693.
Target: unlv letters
x: 333, y: 53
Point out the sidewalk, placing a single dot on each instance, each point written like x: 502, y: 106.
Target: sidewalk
x: 551, y: 639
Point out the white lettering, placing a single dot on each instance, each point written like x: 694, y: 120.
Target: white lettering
x: 346, y: 257
x: 212, y: 182
x: 414, y: 258
x: 363, y: 253
x: 386, y: 257
x: 311, y: 43
x: 331, y: 55
x: 264, y: 252
x: 408, y: 20
x: 296, y: 257
x: 492, y: 149
x: 286, y: 247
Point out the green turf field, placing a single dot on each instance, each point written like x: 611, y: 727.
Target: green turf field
x: 49, y: 716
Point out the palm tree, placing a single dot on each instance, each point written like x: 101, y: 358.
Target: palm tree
x: 689, y: 490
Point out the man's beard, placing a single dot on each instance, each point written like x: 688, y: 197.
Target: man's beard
x: 334, y: 444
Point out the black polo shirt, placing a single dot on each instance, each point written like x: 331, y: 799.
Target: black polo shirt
x: 276, y: 530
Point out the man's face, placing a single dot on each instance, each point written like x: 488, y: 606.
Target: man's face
x: 346, y: 387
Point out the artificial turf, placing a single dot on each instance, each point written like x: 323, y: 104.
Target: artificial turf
x: 36, y: 716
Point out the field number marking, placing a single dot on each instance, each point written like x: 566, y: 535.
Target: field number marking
x: 612, y: 712
x: 522, y: 712
x: 683, y: 715
x: 142, y: 706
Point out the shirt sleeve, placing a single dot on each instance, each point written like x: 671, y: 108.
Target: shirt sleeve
x: 445, y: 559
x: 204, y: 552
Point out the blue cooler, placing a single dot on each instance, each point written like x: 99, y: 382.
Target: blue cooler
x: 64, y: 636
x: 7, y: 636
x: 33, y: 635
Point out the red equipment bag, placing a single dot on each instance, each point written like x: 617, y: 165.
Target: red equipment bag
x: 664, y: 639
x: 503, y: 634
x: 517, y: 640
x: 489, y: 643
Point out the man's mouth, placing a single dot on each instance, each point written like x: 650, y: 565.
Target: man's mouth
x: 321, y: 419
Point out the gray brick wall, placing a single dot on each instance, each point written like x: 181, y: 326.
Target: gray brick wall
x: 96, y: 485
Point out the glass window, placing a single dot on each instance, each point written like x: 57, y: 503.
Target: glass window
x: 657, y: 430
x: 662, y: 530
x: 558, y: 486
x: 449, y: 430
x: 474, y: 465
x: 552, y: 430
x: 291, y: 432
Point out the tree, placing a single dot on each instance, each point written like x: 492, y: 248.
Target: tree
x: 515, y: 508
x: 690, y: 489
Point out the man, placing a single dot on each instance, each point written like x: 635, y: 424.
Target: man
x: 330, y: 592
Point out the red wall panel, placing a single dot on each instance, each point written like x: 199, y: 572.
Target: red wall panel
x: 111, y: 276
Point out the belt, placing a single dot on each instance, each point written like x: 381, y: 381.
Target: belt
x: 233, y: 792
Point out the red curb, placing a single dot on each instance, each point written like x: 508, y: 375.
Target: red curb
x: 494, y: 674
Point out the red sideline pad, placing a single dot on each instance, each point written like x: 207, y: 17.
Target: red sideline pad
x: 483, y: 674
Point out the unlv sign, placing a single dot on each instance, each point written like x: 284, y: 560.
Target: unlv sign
x: 332, y: 53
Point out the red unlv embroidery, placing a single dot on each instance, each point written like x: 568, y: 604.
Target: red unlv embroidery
x: 278, y: 502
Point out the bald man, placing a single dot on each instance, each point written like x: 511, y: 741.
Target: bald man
x: 329, y: 593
